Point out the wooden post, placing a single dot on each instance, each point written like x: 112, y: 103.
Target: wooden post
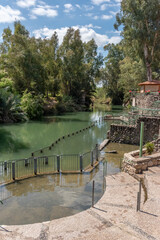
x: 35, y: 166
x: 93, y: 185
x: 13, y: 170
x: 58, y: 163
x: 92, y: 158
x: 81, y: 163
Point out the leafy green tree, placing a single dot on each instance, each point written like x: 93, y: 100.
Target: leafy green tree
x: 92, y: 73
x: 71, y: 68
x: 131, y: 73
x: 111, y: 73
x: 141, y: 29
x: 50, y: 60
x: 22, y: 61
x: 32, y: 105
x: 79, y: 67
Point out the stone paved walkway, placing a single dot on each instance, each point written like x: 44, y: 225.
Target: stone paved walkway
x: 114, y: 217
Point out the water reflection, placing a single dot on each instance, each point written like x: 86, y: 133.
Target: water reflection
x: 9, y: 142
x: 49, y: 197
x: 31, y: 136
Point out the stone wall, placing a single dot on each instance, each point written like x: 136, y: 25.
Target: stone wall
x: 131, y: 134
x: 135, y: 165
x: 146, y: 101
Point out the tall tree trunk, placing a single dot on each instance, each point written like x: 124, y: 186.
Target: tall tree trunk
x: 148, y: 65
x: 149, y: 72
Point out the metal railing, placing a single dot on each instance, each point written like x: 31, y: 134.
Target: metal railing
x: 28, y: 167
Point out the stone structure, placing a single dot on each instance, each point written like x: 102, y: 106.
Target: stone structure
x: 146, y: 101
x: 133, y: 164
x: 131, y: 134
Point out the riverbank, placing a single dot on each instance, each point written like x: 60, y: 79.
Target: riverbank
x: 113, y: 217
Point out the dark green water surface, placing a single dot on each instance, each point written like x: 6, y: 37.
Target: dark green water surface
x: 20, y: 140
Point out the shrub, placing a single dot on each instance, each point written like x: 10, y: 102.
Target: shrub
x: 150, y: 147
x: 32, y: 105
x: 10, y: 109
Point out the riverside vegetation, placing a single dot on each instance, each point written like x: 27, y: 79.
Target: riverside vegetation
x: 39, y: 76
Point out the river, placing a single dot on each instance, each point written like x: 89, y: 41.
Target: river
x: 49, y: 197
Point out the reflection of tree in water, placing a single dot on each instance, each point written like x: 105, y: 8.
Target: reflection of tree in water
x: 49, y: 183
x: 9, y: 143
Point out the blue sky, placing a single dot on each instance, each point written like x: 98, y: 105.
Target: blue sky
x: 94, y: 18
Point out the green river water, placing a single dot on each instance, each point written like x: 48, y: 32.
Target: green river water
x: 49, y: 197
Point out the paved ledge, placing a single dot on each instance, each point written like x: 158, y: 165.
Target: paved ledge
x: 114, y: 217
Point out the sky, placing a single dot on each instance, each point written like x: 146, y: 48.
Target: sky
x: 94, y: 18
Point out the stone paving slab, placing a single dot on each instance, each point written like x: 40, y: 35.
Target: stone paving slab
x: 114, y: 217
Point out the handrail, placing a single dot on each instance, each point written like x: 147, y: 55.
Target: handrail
x: 29, y: 167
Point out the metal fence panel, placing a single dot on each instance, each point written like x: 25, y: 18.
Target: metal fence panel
x: 47, y: 164
x: 70, y: 162
x: 5, y: 171
x: 24, y: 168
x: 86, y: 159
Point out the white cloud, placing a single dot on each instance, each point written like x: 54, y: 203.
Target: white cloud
x: 87, y: 33
x: 106, y: 17
x: 25, y: 3
x: 89, y: 14
x: 113, y: 13
x: 88, y: 8
x: 68, y: 7
x: 45, y: 10
x: 114, y: 40
x: 103, y: 7
x: 8, y: 14
x: 95, y: 17
x: 98, y: 2
x: 91, y: 26
x: 78, y: 6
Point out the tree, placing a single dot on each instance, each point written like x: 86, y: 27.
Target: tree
x: 141, y: 28
x: 22, y: 61
x: 93, y: 63
x: 71, y: 68
x: 132, y: 71
x: 50, y: 60
x: 112, y: 71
